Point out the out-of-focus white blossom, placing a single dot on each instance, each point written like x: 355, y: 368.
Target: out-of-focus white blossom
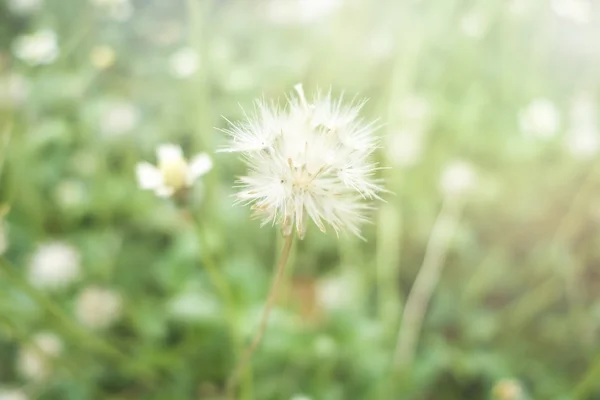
x: 173, y: 173
x: 583, y: 137
x: 98, y: 308
x: 415, y: 111
x: 308, y: 161
x: 24, y: 7
x: 103, y: 56
x: 54, y: 265
x: 12, y: 394
x: 508, y: 389
x: 338, y: 292
x: 405, y: 147
x: 36, y: 360
x: 540, y: 119
x: 70, y: 193
x: 119, y: 10
x: 37, y: 48
x: 184, y: 62
x: 300, y: 397
x: 300, y: 11
x: 457, y: 179
x: 119, y: 118
x: 577, y: 11
x: 474, y: 24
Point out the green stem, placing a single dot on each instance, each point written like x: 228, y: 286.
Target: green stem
x: 273, y: 292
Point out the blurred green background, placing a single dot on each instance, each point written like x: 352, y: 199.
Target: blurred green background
x: 108, y: 292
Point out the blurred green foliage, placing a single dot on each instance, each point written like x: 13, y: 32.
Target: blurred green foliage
x: 515, y: 313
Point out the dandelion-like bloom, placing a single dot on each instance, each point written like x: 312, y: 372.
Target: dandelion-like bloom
x: 173, y: 172
x: 98, y: 308
x: 36, y: 361
x: 54, y: 265
x: 310, y: 160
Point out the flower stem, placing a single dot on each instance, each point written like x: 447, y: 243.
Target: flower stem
x: 427, y: 278
x: 277, y: 279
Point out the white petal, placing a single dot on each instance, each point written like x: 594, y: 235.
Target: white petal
x: 168, y: 152
x: 199, y: 166
x: 164, y: 191
x: 148, y: 176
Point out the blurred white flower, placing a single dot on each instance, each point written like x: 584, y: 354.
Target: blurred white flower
x: 300, y: 11
x: 193, y: 306
x: 98, y: 308
x: 577, y: 11
x: 457, y: 179
x: 38, y: 48
x: 414, y: 109
x: 540, y: 119
x: 24, y: 7
x: 120, y: 117
x: 338, y: 292
x: 173, y: 173
x: 12, y: 394
x: 184, y: 62
x: 474, y: 24
x: 119, y: 10
x: 54, y: 265
x: 405, y: 147
x: 36, y: 359
x: 582, y: 137
x: 70, y: 193
x: 103, y: 56
x: 300, y: 397
x: 508, y: 389
x: 309, y: 161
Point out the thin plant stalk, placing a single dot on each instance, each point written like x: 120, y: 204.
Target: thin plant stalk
x: 273, y: 292
x: 425, y: 284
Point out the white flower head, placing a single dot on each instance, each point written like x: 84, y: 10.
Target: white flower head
x: 578, y: 11
x: 120, y: 117
x: 12, y: 394
x: 39, y: 48
x: 173, y: 172
x: 98, y: 308
x: 540, y: 119
x: 310, y: 160
x: 184, y: 62
x: 24, y: 7
x: 338, y: 292
x: 405, y: 147
x: 458, y: 178
x: 36, y: 359
x: 54, y: 265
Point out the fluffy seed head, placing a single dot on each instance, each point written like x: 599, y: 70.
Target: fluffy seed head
x: 98, y: 308
x: 309, y: 160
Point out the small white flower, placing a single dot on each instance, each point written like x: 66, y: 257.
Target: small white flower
x: 98, y: 308
x: 300, y: 11
x: 309, y: 161
x: 184, y: 62
x: 70, y: 193
x: 54, y: 265
x: 405, y: 148
x: 119, y: 10
x: 12, y: 394
x: 577, y: 11
x: 35, y: 360
x: 24, y: 7
x: 120, y: 117
x: 338, y: 292
x: 540, y: 119
x: 474, y: 24
x: 38, y: 48
x: 458, y: 178
x: 173, y: 173
x: 103, y: 56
